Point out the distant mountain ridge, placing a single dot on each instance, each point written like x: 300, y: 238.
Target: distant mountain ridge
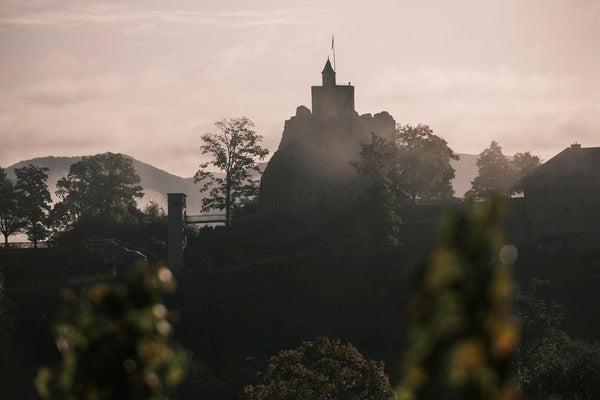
x: 157, y: 183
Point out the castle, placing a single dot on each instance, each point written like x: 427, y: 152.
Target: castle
x: 310, y: 172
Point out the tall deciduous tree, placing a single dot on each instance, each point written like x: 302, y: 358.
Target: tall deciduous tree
x: 235, y: 151
x: 424, y: 163
x: 34, y: 200
x: 104, y: 184
x: 10, y: 217
x: 496, y: 174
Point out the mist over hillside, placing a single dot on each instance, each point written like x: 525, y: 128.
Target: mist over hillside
x: 157, y: 183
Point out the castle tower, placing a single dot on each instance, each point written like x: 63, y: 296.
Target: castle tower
x: 332, y: 100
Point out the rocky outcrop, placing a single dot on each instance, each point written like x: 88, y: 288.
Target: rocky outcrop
x: 311, y: 172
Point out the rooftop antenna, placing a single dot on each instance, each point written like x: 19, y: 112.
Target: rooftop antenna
x: 333, y: 48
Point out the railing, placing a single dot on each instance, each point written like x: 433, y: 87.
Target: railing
x: 22, y: 245
x: 205, y: 218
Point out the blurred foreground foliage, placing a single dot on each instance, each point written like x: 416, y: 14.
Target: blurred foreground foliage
x: 114, y: 342
x: 462, y: 337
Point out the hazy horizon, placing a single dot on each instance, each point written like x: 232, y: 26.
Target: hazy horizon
x: 149, y: 78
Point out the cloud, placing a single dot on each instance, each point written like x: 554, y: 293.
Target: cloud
x: 65, y: 91
x: 148, y: 20
x: 469, y: 107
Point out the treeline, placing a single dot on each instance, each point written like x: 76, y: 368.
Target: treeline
x: 97, y: 199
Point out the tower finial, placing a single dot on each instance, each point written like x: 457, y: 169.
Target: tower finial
x: 333, y: 48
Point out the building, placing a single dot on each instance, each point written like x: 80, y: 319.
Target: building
x: 561, y: 201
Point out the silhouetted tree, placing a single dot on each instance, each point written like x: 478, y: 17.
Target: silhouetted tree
x: 499, y: 174
x: 321, y: 369
x: 114, y: 343
x: 235, y: 151
x: 11, y: 220
x: 33, y: 200
x: 104, y: 184
x: 496, y: 174
x: 523, y: 164
x: 463, y: 335
x: 379, y: 162
x: 424, y: 163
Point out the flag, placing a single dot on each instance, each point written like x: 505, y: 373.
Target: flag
x: 331, y: 42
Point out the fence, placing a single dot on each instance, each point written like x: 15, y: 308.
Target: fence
x: 23, y: 245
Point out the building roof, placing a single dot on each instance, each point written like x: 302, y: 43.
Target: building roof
x: 328, y: 68
x: 573, y: 162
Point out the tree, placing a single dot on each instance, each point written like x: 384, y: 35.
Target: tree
x: 321, y: 369
x: 11, y: 220
x: 379, y: 163
x: 496, y: 173
x: 33, y: 200
x: 549, y: 363
x: 523, y: 164
x: 499, y: 174
x: 101, y: 185
x: 115, y: 342
x: 235, y: 151
x: 424, y: 162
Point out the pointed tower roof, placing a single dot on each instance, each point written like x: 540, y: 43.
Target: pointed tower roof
x: 328, y: 74
x: 328, y: 67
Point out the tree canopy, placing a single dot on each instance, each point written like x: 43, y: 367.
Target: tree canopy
x: 499, y: 174
x: 104, y: 184
x: 321, y: 369
x: 33, y: 200
x: 495, y: 173
x: 523, y: 164
x: 11, y: 220
x: 235, y: 151
x: 424, y: 163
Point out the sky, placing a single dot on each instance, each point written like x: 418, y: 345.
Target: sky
x: 147, y: 78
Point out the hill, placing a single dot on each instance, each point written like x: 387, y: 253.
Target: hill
x: 156, y: 182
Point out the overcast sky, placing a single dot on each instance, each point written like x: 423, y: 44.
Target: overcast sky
x: 148, y: 78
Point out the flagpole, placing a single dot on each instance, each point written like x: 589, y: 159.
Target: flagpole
x: 333, y: 48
